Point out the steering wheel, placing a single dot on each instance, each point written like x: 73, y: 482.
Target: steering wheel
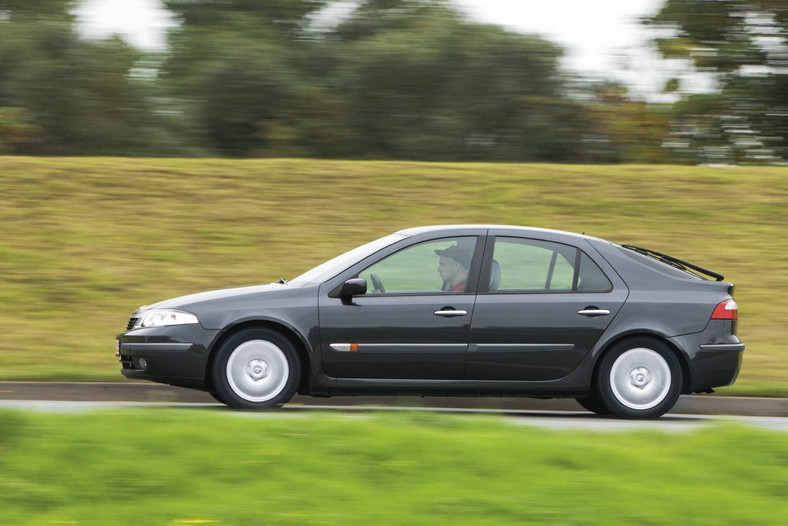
x: 377, y: 285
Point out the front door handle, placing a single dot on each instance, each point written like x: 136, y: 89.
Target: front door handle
x: 450, y: 312
x: 593, y: 312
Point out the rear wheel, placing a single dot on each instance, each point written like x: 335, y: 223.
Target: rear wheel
x: 256, y: 369
x: 639, y: 378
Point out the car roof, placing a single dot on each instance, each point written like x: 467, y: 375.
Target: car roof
x: 482, y: 228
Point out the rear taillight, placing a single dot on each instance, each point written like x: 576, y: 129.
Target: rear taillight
x: 726, y: 310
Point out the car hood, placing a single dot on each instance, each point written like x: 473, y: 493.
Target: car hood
x: 193, y: 300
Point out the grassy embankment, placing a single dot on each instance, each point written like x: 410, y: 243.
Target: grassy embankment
x: 205, y: 467
x: 86, y: 241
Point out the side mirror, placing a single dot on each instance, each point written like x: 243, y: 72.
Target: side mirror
x: 353, y: 287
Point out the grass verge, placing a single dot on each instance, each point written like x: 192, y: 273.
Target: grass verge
x: 197, y: 467
x: 87, y: 240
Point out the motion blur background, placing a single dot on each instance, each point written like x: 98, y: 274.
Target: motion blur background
x: 573, y: 83
x: 398, y: 79
x: 149, y: 165
x: 143, y: 145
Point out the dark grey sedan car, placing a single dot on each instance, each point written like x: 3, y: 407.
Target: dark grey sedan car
x: 468, y: 310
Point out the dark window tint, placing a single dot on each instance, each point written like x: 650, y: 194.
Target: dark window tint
x: 529, y: 265
x: 591, y: 278
x: 434, y: 266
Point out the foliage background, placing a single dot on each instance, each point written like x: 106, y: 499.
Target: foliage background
x: 86, y: 240
x: 395, y: 79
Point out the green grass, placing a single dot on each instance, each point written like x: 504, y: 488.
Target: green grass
x: 164, y: 466
x: 85, y: 241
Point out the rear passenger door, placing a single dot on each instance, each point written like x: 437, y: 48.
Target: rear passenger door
x: 541, y: 307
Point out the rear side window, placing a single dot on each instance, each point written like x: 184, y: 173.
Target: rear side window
x: 529, y: 265
x: 590, y: 276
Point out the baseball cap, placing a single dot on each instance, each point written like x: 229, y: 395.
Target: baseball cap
x: 457, y: 254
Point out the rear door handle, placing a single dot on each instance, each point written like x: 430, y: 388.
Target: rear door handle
x: 449, y: 312
x: 593, y: 312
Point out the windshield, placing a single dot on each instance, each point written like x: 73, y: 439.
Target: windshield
x: 332, y: 267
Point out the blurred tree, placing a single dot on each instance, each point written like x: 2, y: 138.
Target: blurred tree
x: 80, y: 97
x: 427, y: 83
x: 57, y: 8
x: 233, y: 65
x: 744, y: 43
x: 394, y: 79
x: 408, y: 79
x: 628, y: 130
x: 15, y: 129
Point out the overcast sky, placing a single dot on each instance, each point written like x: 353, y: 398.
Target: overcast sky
x: 599, y: 36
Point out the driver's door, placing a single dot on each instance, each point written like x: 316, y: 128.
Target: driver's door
x: 406, y: 326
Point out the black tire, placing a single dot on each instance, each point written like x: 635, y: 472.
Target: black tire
x: 593, y: 405
x: 638, y: 378
x: 256, y: 369
x: 217, y: 397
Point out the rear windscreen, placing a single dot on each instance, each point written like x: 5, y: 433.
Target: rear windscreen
x: 660, y: 266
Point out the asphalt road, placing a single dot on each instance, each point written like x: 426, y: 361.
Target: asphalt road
x: 691, y: 412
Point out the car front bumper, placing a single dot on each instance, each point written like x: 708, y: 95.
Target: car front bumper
x: 175, y: 355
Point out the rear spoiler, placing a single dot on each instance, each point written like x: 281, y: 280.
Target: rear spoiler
x: 675, y: 262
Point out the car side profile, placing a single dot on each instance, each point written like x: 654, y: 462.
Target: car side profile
x: 458, y: 310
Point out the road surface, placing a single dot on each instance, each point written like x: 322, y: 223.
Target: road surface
x: 691, y: 412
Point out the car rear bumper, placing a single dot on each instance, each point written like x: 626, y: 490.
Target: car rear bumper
x: 714, y: 359
x: 715, y: 369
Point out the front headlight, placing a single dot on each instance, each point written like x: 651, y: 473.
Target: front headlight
x: 163, y: 317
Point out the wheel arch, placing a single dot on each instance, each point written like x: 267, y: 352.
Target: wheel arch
x: 291, y: 335
x: 686, y: 380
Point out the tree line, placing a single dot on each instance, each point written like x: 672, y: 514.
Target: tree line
x: 395, y: 79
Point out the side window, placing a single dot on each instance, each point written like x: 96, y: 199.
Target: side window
x: 591, y: 278
x: 529, y: 265
x: 430, y: 267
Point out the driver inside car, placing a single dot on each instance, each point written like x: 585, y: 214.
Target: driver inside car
x: 453, y: 268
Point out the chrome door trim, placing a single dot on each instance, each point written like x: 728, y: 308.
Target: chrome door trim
x: 399, y: 347
x: 520, y: 347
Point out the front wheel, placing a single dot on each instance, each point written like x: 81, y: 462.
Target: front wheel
x: 639, y: 378
x: 256, y: 369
